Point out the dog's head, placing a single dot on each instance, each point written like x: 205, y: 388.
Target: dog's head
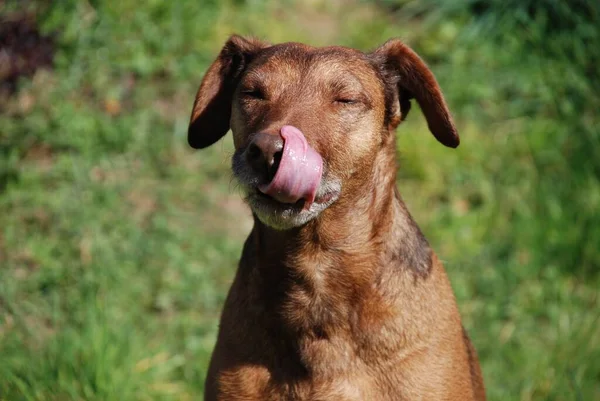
x: 309, y: 122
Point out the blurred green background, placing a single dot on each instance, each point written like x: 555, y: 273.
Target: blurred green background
x: 118, y: 243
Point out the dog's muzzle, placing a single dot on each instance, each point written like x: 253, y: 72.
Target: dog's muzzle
x: 293, y: 167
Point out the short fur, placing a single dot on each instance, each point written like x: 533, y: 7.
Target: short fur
x: 347, y: 301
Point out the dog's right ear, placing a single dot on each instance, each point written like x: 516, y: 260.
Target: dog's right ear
x: 409, y: 77
x: 212, y: 107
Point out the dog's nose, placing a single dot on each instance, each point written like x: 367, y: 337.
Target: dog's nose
x: 264, y: 154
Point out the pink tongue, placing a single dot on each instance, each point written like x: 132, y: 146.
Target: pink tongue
x: 299, y: 172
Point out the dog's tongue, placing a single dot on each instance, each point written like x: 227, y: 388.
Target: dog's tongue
x: 299, y: 173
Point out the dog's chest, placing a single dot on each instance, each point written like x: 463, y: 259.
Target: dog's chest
x: 237, y: 386
x: 330, y: 373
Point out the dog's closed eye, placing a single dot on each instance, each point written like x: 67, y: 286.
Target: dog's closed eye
x: 253, y: 93
x: 346, y: 100
x: 351, y: 100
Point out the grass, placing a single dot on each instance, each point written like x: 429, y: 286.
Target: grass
x: 118, y: 243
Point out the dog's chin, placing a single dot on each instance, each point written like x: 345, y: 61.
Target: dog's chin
x: 285, y: 216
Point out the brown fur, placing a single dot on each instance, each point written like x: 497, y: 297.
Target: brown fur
x: 352, y: 305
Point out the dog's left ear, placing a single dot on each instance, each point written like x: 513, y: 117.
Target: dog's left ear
x: 408, y: 77
x: 212, y: 108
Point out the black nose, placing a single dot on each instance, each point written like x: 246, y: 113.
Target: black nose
x: 264, y: 154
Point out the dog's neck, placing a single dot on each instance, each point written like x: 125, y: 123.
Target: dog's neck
x: 345, y: 241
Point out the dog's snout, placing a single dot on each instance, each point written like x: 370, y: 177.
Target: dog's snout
x: 264, y: 154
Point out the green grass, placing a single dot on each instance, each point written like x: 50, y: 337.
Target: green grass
x: 118, y: 243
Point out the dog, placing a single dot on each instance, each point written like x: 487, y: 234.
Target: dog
x: 337, y: 296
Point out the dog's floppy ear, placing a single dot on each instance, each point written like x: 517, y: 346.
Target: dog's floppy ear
x: 408, y: 77
x: 212, y: 107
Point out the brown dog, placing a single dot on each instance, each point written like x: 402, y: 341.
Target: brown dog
x: 338, y: 295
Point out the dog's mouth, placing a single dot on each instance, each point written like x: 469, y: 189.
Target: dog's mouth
x: 255, y: 195
x: 269, y: 200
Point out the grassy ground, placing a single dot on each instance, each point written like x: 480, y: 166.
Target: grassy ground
x: 118, y: 243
